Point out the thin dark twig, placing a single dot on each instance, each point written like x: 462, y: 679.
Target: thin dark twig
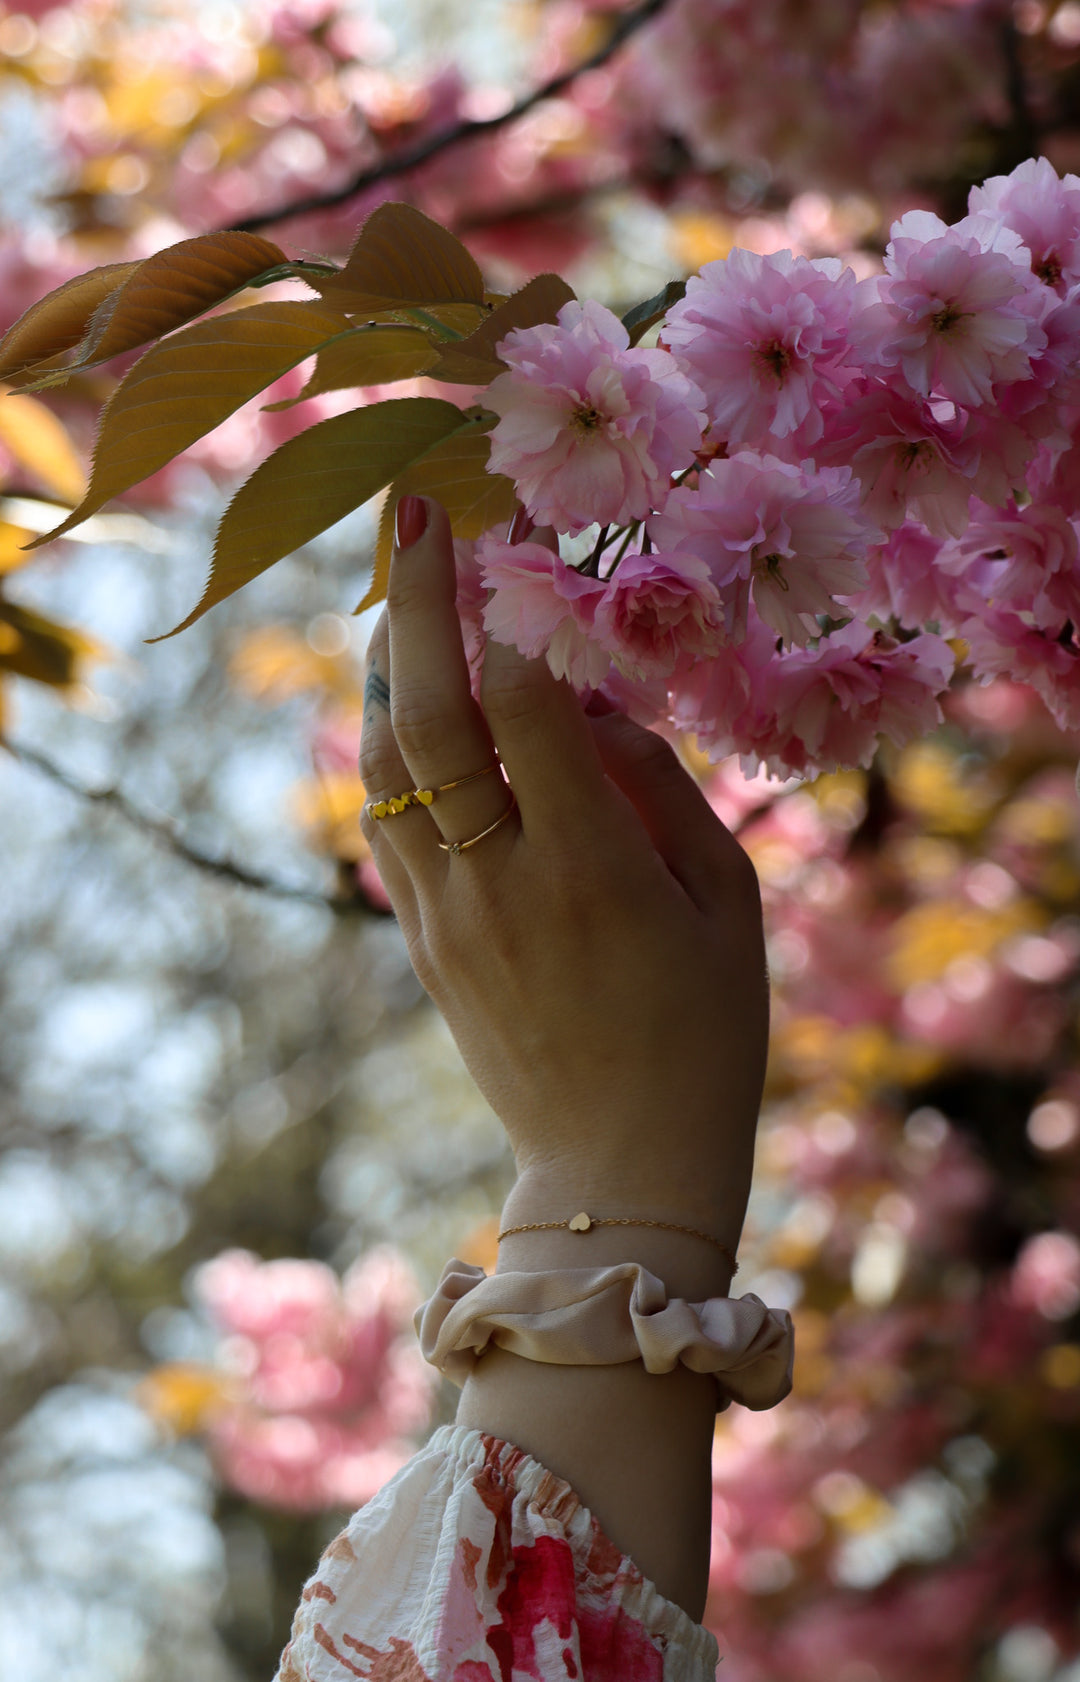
x: 424, y: 150
x: 1024, y: 129
x: 166, y: 832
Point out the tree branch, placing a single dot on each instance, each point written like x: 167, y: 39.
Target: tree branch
x: 402, y: 162
x: 166, y: 832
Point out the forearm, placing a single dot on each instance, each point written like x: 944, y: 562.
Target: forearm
x: 635, y: 1446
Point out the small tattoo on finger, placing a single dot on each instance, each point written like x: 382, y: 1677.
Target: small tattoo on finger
x: 376, y: 691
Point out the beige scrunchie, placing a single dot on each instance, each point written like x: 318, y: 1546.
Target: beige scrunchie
x: 602, y: 1316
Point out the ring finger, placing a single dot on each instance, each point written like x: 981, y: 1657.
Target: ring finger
x: 400, y: 840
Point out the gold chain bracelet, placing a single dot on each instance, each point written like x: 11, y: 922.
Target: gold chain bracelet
x: 584, y: 1223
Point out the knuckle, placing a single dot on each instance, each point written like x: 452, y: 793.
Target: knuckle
x: 380, y: 764
x: 513, y: 697
x: 651, y: 753
x: 419, y: 724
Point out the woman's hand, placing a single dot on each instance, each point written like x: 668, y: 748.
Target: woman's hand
x: 599, y: 956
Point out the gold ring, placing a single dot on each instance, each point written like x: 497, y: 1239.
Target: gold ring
x: 460, y: 846
x: 395, y: 803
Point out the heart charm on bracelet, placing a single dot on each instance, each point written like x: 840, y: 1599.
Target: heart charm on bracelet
x: 580, y: 1223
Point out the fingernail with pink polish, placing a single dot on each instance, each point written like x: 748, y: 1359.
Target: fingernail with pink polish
x: 410, y: 521
x: 520, y: 527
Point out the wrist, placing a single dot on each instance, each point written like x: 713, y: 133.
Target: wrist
x: 683, y: 1242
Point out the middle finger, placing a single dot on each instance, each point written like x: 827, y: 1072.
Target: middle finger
x: 440, y: 729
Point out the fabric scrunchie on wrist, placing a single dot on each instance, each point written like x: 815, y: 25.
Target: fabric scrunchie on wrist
x: 605, y: 1316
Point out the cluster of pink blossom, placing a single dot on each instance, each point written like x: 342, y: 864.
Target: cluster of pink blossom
x: 815, y: 489
x: 328, y: 1386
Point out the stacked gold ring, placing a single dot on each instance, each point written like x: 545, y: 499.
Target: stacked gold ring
x: 395, y: 803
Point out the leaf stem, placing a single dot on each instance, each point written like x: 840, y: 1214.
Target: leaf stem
x: 439, y: 328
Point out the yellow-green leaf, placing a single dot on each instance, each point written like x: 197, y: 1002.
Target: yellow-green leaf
x: 38, y: 648
x: 366, y: 356
x: 402, y: 257
x: 164, y: 292
x: 475, y: 360
x: 185, y: 386
x: 314, y: 480
x: 39, y: 442
x: 58, y: 321
x: 455, y: 473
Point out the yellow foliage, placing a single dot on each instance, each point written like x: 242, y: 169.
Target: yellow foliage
x: 929, y: 937
x: 182, y: 1395
x: 12, y: 553
x: 1060, y: 1366
x: 330, y: 805
x: 273, y: 664
x: 1039, y: 822
x: 930, y: 781
x: 862, y: 1059
x: 840, y: 794
x: 40, y: 443
x: 480, y: 1247
x: 35, y: 647
x: 700, y: 238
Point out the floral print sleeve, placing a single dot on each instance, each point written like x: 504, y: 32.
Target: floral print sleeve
x: 476, y: 1564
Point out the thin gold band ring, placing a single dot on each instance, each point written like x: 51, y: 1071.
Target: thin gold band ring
x: 456, y: 847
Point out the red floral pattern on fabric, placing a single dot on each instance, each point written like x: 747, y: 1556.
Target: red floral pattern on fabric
x: 478, y: 1565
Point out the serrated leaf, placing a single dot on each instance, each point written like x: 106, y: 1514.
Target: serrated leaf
x: 312, y: 481
x: 402, y: 257
x: 366, y: 356
x: 643, y: 316
x: 58, y: 321
x: 475, y: 360
x: 173, y: 286
x: 184, y: 387
x: 455, y: 473
x: 164, y: 292
x: 39, y: 442
x: 38, y: 648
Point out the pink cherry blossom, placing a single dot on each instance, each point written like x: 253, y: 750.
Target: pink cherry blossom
x: 327, y: 1386
x: 790, y: 535
x: 1027, y: 558
x: 814, y: 710
x: 1047, y: 1275
x: 1043, y: 209
x: 658, y: 610
x: 909, y: 457
x: 590, y: 429
x: 542, y: 606
x: 766, y: 338
x: 834, y: 703
x: 907, y: 581
x: 1000, y: 643
x: 955, y: 315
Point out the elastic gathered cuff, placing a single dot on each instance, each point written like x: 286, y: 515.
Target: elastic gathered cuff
x: 604, y: 1317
